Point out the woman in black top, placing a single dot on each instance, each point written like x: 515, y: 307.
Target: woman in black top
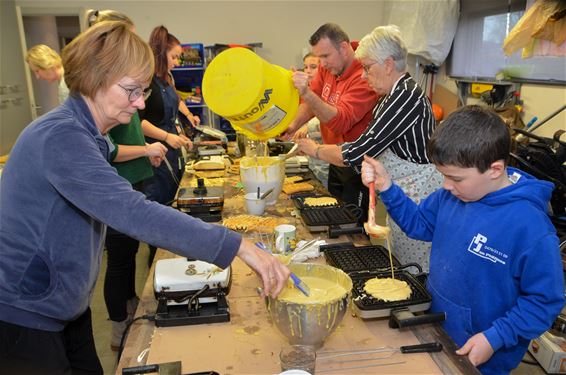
x: 161, y: 110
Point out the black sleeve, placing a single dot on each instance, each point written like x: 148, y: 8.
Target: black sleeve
x: 153, y: 111
x: 393, y: 118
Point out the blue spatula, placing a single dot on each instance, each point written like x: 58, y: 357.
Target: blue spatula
x: 300, y: 284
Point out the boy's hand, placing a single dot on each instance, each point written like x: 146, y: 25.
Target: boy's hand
x: 477, y: 348
x: 374, y: 171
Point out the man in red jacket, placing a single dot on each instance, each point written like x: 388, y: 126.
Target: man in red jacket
x: 341, y: 100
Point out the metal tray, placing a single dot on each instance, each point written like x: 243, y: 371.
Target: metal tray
x: 350, y: 258
x: 368, y: 307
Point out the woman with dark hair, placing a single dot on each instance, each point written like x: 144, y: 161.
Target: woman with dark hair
x: 161, y: 110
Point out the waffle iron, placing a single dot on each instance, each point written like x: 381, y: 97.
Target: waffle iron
x: 204, y: 202
x: 362, y: 263
x: 319, y: 219
x: 190, y: 292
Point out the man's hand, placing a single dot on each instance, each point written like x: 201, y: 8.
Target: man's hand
x: 289, y: 133
x: 477, y: 348
x: 303, y: 132
x: 273, y: 274
x: 307, y: 146
x: 300, y: 81
x: 374, y: 171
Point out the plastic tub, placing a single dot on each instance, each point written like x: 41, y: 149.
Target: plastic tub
x: 258, y: 98
x: 264, y: 172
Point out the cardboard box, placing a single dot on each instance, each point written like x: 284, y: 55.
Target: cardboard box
x: 548, y: 350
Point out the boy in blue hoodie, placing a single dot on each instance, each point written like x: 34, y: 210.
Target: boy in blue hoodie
x: 495, y: 265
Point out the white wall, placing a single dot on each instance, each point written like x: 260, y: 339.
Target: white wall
x: 15, y: 113
x: 284, y: 28
x: 43, y: 30
x: 541, y: 101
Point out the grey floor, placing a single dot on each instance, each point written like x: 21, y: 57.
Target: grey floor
x: 102, y: 331
x: 100, y: 322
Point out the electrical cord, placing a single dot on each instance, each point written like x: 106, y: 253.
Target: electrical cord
x: 150, y: 318
x: 529, y: 362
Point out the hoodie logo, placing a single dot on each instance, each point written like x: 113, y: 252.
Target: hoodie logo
x: 478, y: 246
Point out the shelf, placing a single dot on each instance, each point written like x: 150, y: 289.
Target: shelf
x: 187, y: 68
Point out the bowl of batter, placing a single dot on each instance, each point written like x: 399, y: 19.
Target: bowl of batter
x: 309, y: 320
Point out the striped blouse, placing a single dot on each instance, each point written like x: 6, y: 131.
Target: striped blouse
x: 402, y: 121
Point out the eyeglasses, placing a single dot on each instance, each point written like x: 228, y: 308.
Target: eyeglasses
x: 135, y: 94
x: 368, y: 67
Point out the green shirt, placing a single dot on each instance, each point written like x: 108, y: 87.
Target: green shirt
x: 134, y: 170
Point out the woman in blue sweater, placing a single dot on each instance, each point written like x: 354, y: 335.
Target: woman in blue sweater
x: 495, y: 265
x: 58, y: 193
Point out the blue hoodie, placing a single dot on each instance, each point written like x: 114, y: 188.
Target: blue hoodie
x: 495, y: 264
x: 57, y: 194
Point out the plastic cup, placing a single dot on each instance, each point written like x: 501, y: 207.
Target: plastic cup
x: 298, y: 357
x: 254, y: 205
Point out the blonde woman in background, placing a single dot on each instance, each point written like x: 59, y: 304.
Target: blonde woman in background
x: 46, y: 64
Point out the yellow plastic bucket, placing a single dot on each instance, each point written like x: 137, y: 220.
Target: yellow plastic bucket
x: 258, y: 98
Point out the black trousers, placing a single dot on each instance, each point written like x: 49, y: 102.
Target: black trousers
x: 120, y: 278
x: 30, y: 351
x: 345, y: 184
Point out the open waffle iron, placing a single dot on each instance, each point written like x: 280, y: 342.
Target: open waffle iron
x: 362, y: 263
x: 320, y: 218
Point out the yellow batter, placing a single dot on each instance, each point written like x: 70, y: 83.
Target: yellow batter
x: 322, y: 291
x: 259, y: 161
x: 320, y: 201
x: 388, y: 289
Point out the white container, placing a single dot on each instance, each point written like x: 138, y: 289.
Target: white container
x: 254, y: 205
x: 264, y: 172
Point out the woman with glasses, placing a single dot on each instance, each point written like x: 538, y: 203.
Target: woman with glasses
x: 401, y: 127
x: 59, y: 193
x: 133, y: 159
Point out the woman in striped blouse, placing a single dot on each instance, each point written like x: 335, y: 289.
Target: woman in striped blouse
x: 401, y: 127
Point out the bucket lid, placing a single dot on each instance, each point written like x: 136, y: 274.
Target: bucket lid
x: 232, y: 81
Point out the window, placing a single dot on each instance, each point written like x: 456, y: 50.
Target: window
x: 477, y: 51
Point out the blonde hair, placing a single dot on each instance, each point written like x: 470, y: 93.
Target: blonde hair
x: 108, y: 15
x: 384, y: 42
x: 43, y: 57
x: 104, y: 54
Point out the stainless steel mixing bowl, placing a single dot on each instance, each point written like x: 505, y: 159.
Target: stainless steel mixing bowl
x: 311, y: 324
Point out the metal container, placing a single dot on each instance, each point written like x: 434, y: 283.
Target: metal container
x: 311, y: 324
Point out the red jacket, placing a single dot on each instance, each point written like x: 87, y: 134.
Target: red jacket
x: 353, y: 98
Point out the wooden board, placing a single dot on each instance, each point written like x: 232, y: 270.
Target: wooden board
x: 249, y: 344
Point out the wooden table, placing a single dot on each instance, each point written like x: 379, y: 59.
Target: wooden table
x: 249, y: 344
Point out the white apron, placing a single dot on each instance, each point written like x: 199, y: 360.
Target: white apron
x: 417, y: 181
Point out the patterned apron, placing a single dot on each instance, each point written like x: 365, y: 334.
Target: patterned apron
x: 417, y: 181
